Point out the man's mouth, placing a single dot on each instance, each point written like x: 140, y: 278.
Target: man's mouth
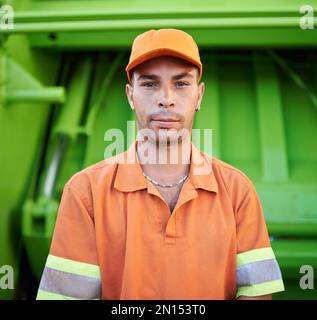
x: 166, y: 119
x: 165, y: 122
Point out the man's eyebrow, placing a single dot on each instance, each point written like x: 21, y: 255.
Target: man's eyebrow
x: 182, y: 75
x: 156, y: 77
x: 148, y: 77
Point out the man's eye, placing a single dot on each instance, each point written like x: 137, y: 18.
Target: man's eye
x: 149, y: 84
x: 181, y: 84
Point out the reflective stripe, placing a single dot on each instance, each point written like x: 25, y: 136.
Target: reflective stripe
x: 257, y: 272
x: 71, y: 266
x: 255, y: 255
x: 44, y: 295
x: 70, y: 285
x: 261, y: 288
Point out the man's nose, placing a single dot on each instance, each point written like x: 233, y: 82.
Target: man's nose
x: 166, y: 99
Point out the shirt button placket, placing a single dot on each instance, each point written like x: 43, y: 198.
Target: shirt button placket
x: 170, y: 231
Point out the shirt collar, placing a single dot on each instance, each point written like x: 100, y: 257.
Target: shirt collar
x: 129, y: 175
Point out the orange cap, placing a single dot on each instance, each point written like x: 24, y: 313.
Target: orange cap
x: 163, y: 42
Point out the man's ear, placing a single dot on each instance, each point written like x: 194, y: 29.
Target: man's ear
x: 201, y: 90
x: 129, y: 93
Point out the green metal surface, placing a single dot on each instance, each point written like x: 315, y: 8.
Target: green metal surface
x: 19, y: 86
x: 62, y: 86
x: 113, y: 24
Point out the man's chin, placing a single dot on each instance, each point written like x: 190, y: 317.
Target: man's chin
x: 169, y: 136
x: 164, y: 136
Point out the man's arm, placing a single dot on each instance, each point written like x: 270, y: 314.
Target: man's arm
x: 72, y: 270
x: 257, y: 271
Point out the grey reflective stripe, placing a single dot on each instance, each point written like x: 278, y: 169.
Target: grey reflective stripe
x: 257, y: 272
x: 70, y: 285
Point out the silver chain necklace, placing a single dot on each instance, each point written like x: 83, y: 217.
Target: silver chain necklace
x: 165, y: 185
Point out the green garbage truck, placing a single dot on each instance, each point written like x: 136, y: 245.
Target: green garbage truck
x: 61, y: 87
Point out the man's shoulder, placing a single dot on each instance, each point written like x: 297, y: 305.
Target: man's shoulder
x: 96, y: 173
x: 228, y: 174
x: 233, y: 182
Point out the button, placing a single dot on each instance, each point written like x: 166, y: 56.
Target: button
x: 169, y: 240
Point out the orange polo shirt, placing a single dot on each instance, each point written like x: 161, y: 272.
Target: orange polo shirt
x: 115, y: 237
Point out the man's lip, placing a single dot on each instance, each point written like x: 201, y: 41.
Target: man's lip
x: 165, y: 120
x: 165, y: 123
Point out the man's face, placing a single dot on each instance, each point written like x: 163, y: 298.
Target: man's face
x: 165, y: 93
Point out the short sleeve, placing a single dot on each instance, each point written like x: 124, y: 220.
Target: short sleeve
x: 71, y: 270
x: 257, y: 270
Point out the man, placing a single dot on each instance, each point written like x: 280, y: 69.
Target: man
x: 182, y: 227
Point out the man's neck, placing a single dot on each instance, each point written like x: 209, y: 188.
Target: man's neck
x: 170, y: 162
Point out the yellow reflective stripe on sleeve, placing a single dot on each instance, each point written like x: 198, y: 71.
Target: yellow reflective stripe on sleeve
x: 261, y: 289
x: 44, y: 295
x: 255, y: 255
x: 71, y: 266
